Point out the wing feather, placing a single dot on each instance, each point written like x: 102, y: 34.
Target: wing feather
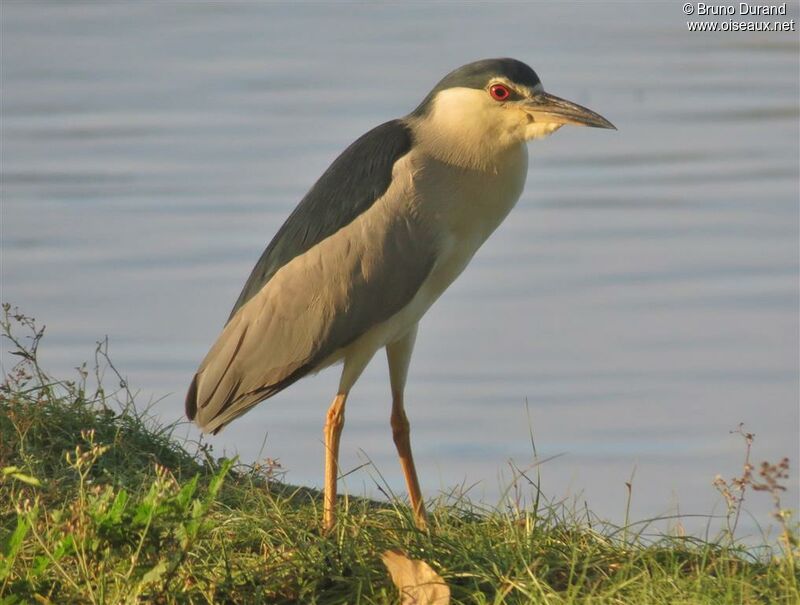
x: 338, y: 277
x: 352, y: 183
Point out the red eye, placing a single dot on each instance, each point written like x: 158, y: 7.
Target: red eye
x: 499, y: 92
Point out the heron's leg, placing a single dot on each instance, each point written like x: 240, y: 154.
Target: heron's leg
x: 399, y: 355
x: 334, y: 422
x: 354, y: 364
x: 402, y: 440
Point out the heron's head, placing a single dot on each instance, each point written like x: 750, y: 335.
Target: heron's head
x: 488, y: 106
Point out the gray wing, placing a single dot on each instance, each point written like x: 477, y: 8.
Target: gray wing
x: 343, y: 275
x: 352, y: 183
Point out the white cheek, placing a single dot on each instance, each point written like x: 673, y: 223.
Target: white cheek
x: 539, y: 130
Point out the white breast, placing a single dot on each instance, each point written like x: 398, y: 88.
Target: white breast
x: 459, y: 208
x: 463, y: 207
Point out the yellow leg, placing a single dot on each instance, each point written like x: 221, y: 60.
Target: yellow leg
x: 334, y: 423
x: 402, y: 440
x: 398, y: 354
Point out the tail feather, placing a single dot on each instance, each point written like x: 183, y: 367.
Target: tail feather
x: 191, y: 399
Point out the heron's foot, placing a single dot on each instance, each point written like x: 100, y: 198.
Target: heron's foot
x: 328, y: 521
x: 421, y: 517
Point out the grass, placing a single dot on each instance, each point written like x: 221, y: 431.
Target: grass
x: 101, y: 504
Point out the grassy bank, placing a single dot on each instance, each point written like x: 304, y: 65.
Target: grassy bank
x: 99, y: 504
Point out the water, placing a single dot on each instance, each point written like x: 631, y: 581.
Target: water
x: 642, y: 297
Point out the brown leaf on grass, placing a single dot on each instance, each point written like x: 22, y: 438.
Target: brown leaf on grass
x: 418, y: 583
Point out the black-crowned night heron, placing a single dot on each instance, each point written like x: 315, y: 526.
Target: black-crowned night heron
x: 378, y: 238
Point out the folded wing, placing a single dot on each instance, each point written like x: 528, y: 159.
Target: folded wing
x: 348, y: 258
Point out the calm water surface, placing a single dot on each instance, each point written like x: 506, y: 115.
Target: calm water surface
x: 642, y: 297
